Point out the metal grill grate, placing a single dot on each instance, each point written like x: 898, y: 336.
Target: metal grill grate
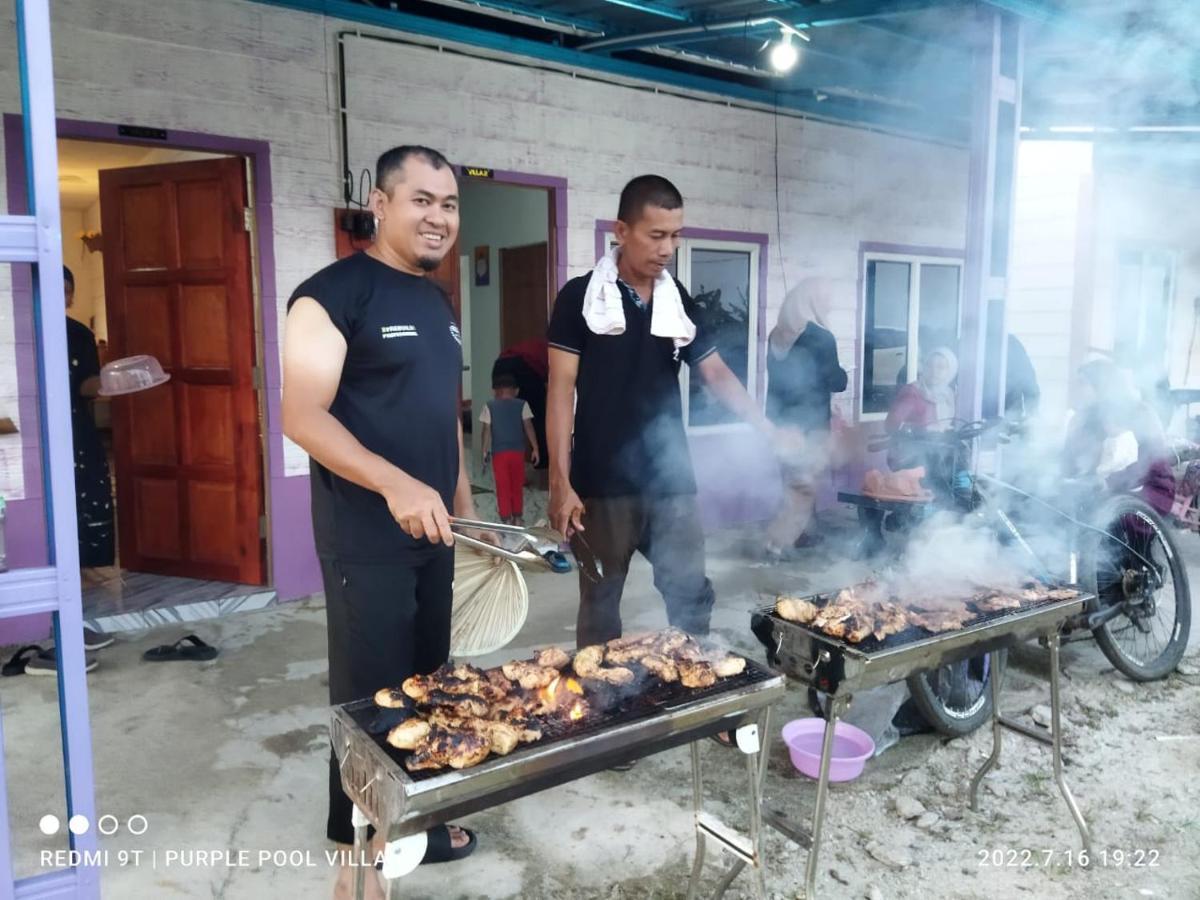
x: 608, y: 708
x: 910, y: 635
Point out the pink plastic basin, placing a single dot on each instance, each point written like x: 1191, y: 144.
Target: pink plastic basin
x: 852, y: 747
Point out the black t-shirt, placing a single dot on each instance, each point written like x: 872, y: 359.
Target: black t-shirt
x: 800, y: 383
x: 398, y: 396
x: 629, y: 434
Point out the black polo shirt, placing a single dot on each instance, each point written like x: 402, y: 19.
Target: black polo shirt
x: 398, y: 396
x: 629, y: 432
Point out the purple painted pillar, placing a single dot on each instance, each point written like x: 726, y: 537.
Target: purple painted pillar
x: 39, y: 240
x: 995, y: 128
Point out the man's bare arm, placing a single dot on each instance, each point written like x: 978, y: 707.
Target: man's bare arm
x: 566, y: 509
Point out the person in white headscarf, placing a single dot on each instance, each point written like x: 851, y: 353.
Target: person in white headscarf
x: 802, y: 375
x: 928, y: 403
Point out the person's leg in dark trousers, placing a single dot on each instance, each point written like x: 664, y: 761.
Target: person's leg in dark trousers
x: 385, y: 623
x: 674, y: 544
x: 612, y: 528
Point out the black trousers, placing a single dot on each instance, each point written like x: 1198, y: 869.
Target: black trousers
x: 665, y: 530
x: 386, y: 622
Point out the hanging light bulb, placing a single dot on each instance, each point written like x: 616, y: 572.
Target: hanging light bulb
x: 784, y: 54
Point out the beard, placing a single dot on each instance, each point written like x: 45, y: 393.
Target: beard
x: 428, y: 263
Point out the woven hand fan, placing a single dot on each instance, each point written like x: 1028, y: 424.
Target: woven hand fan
x: 491, y: 603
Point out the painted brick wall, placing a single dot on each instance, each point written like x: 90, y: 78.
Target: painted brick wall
x: 240, y: 69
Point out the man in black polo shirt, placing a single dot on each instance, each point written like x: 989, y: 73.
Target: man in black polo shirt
x: 372, y: 362
x: 617, y: 336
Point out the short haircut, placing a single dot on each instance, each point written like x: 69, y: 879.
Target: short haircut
x: 391, y: 162
x: 68, y: 278
x: 503, y: 380
x: 647, y: 190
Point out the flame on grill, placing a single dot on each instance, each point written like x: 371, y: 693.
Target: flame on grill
x: 553, y: 698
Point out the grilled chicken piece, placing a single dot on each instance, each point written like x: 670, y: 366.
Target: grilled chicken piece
x: 642, y: 639
x: 552, y: 658
x: 661, y: 666
x: 530, y: 676
x: 1062, y: 594
x: 939, y: 620
x: 463, y: 679
x: 502, y: 736
x: 889, y: 619
x: 392, y: 698
x: 461, y: 704
x: 587, y: 664
x: 794, y: 609
x: 408, y: 734
x: 497, y: 679
x: 527, y: 730
x: 996, y: 601
x: 442, y: 747
x: 728, y: 665
x: 696, y: 674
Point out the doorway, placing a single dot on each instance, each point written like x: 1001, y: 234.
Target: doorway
x: 159, y: 241
x: 508, y: 254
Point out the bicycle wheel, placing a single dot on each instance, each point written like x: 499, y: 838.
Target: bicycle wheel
x: 956, y: 699
x: 1145, y: 576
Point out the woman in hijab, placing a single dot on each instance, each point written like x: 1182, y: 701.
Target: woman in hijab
x: 802, y: 375
x: 927, y: 404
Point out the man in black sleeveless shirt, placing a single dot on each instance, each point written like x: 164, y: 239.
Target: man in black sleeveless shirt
x: 372, y: 363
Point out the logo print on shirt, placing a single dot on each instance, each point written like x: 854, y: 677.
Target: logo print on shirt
x: 387, y: 332
x: 455, y: 333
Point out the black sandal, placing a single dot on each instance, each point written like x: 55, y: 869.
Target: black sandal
x: 199, y: 651
x: 16, y: 663
x: 441, y: 849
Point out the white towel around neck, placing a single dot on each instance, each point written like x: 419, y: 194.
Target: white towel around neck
x: 604, y: 312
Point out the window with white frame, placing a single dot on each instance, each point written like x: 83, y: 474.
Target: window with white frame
x: 722, y: 277
x: 910, y: 306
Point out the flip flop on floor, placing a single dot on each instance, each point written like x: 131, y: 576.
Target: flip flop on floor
x: 16, y: 665
x: 189, y: 647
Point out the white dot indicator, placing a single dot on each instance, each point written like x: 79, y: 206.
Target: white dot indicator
x: 79, y: 824
x: 110, y: 828
x: 48, y: 824
x: 142, y: 829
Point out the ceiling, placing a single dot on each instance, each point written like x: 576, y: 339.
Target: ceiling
x: 899, y: 65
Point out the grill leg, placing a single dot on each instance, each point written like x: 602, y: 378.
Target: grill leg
x: 362, y: 851
x: 836, y: 707
x: 997, y: 730
x: 1054, y: 643
x: 753, y: 745
x: 701, y: 840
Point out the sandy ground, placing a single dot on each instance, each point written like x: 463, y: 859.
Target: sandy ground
x: 229, y: 756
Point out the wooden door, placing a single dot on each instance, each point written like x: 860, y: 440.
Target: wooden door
x: 178, y: 286
x: 524, y: 293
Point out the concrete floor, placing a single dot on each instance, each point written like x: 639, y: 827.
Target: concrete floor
x: 230, y: 756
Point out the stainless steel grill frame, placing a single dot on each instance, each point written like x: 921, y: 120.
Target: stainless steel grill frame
x: 834, y: 665
x: 399, y: 806
x: 840, y: 669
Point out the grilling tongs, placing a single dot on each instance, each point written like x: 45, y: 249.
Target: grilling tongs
x: 538, y: 545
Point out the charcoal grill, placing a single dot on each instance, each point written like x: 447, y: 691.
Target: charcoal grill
x: 841, y: 669
x: 402, y: 805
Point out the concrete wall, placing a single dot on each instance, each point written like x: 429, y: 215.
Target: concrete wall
x: 1076, y: 210
x: 240, y: 69
x: 1053, y: 188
